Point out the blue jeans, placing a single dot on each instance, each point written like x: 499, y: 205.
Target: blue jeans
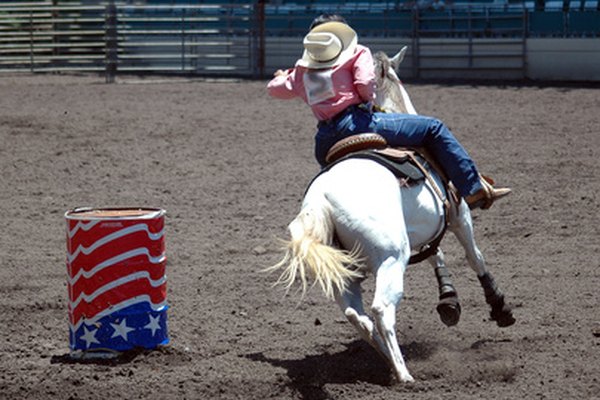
x: 404, y: 130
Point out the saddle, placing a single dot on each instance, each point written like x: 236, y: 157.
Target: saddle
x: 409, y: 165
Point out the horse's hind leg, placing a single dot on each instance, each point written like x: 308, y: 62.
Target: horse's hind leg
x: 462, y: 226
x: 388, y: 293
x: 448, y: 306
x: 351, y: 304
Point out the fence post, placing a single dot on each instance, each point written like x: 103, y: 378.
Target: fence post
x: 182, y: 39
x: 110, y: 41
x: 470, y: 34
x: 416, y: 50
x: 56, y: 51
x: 525, y: 35
x: 31, y: 41
x: 259, y: 39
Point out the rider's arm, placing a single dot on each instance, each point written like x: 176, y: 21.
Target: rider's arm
x: 364, y: 74
x: 282, y: 85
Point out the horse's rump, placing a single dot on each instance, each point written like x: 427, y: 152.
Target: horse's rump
x: 411, y: 167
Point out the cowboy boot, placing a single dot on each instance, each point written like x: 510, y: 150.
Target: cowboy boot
x: 485, y: 197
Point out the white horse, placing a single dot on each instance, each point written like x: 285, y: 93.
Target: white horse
x: 356, y: 219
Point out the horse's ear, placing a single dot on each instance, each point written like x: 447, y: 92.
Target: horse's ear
x: 397, y: 59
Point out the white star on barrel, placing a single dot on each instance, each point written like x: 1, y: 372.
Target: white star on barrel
x: 89, y: 337
x: 121, y: 329
x: 153, y: 324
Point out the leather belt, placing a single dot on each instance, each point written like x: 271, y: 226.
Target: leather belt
x: 361, y: 106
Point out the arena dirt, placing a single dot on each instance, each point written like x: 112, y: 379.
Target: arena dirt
x: 230, y: 165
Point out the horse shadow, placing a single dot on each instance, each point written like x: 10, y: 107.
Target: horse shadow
x: 359, y: 362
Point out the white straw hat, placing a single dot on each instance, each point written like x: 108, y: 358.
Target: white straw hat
x: 328, y: 44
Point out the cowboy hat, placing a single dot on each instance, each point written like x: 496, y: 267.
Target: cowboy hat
x: 328, y: 44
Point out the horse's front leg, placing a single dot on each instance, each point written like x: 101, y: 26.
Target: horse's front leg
x: 389, y: 291
x: 461, y: 225
x: 351, y: 304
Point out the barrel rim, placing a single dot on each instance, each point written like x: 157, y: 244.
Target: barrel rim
x: 77, y: 213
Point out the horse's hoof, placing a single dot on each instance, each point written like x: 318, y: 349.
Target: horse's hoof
x: 449, y: 310
x: 404, y: 378
x: 503, y: 317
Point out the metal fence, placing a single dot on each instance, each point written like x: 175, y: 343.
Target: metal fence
x: 228, y: 39
x: 201, y: 39
x: 484, y: 42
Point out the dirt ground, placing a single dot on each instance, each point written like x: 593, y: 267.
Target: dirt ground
x: 230, y: 165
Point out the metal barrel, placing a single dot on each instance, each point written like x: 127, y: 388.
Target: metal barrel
x: 116, y: 279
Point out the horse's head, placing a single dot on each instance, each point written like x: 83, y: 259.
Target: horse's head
x: 389, y: 92
x: 386, y: 68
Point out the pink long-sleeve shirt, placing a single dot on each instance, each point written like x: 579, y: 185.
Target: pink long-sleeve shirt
x: 329, y: 91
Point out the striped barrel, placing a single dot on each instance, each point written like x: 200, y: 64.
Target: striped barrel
x: 116, y: 279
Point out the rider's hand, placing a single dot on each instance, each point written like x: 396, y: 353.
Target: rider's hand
x: 281, y: 72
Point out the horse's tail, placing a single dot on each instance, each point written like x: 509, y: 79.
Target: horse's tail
x: 309, y: 253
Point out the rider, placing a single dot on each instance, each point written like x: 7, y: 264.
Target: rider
x: 336, y: 78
